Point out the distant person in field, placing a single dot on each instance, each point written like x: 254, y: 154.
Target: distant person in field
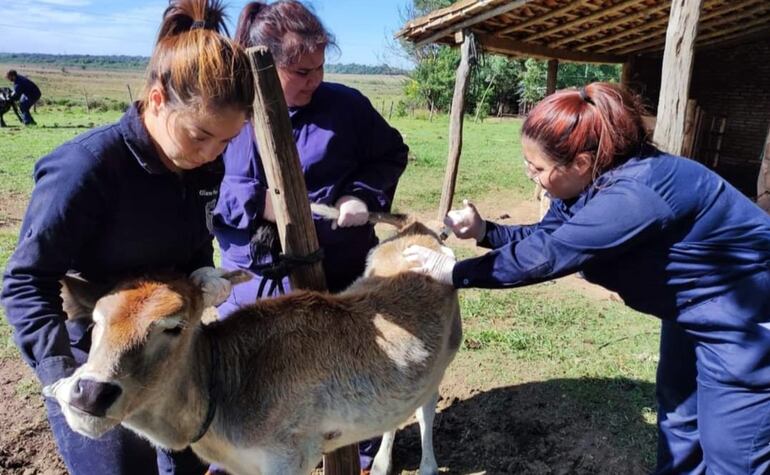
x: 26, y: 92
x: 673, y: 239
x: 351, y: 157
x: 123, y: 200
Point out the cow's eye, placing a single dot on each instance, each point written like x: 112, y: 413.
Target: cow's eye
x: 173, y: 331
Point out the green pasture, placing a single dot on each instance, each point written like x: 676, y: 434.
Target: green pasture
x: 600, y: 355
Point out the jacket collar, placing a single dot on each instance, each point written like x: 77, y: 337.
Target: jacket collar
x: 138, y: 140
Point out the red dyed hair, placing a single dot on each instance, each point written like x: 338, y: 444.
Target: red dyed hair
x: 602, y: 119
x: 287, y: 28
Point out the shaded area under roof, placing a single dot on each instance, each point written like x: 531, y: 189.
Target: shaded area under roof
x: 592, y: 31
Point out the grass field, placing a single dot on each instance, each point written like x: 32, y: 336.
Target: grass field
x: 591, y: 360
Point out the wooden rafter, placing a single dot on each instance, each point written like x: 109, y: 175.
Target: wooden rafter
x: 542, y: 18
x: 763, y: 30
x: 583, y: 20
x: 472, y: 21
x: 664, y: 21
x: 614, y: 23
x: 738, y: 17
x: 510, y: 47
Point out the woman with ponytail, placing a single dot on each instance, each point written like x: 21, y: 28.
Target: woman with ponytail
x: 673, y: 239
x: 351, y: 157
x: 122, y: 200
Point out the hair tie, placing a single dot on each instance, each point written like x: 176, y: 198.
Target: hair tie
x: 585, y: 97
x: 198, y: 24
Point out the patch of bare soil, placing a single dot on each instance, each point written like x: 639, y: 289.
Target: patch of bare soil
x: 27, y: 446
x: 12, y: 207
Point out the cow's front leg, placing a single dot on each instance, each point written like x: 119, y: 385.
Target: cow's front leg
x: 382, y: 461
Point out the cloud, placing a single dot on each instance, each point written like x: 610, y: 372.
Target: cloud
x: 55, y: 29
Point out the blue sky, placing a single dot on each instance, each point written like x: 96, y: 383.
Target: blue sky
x: 363, y: 28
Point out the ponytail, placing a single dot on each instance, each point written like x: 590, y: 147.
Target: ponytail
x: 194, y: 63
x: 602, y: 119
x: 246, y: 22
x: 286, y: 27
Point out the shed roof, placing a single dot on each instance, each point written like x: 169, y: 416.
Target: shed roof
x: 601, y: 31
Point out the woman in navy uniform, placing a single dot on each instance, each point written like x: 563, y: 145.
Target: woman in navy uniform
x: 673, y: 239
x: 128, y: 198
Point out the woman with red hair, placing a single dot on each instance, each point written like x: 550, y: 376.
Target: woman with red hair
x: 673, y: 239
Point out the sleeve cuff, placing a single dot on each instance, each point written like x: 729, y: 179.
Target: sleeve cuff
x: 54, y: 368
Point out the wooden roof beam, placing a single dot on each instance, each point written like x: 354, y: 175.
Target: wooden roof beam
x: 631, y: 31
x: 657, y: 23
x: 758, y: 32
x: 646, y: 13
x: 539, y: 19
x: 472, y: 21
x: 705, y: 17
x: 653, y: 44
x: 509, y: 47
x: 583, y: 20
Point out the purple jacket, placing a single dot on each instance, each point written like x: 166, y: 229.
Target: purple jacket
x: 345, y: 148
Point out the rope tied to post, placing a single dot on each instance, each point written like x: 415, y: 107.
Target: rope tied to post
x: 281, y: 266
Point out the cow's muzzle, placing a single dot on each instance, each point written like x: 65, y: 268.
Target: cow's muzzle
x: 93, y: 397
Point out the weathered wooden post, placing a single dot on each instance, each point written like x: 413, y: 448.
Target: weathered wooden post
x: 763, y: 180
x: 456, y: 123
x: 551, y: 76
x: 677, y: 71
x: 130, y: 96
x: 288, y: 192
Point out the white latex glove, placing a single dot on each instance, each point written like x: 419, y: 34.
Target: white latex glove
x: 438, y: 265
x: 466, y: 223
x: 353, y: 212
x: 215, y: 288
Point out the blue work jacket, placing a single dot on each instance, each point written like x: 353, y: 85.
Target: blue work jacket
x: 345, y: 148
x: 672, y: 238
x: 104, y: 207
x: 22, y: 86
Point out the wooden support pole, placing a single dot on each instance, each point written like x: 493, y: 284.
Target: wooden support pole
x: 627, y: 73
x: 677, y: 71
x: 456, y: 127
x: 287, y: 189
x: 130, y: 96
x: 763, y: 180
x: 552, y: 76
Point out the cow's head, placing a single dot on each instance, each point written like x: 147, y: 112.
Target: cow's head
x: 142, y: 337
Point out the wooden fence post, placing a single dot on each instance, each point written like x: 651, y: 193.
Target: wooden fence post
x: 88, y: 108
x: 287, y: 189
x: 130, y: 96
x: 456, y: 127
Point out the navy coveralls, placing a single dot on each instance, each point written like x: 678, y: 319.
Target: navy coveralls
x: 678, y: 242
x: 105, y: 207
x: 27, y: 93
x: 345, y: 148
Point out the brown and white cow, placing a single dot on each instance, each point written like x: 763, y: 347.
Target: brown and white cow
x: 280, y: 382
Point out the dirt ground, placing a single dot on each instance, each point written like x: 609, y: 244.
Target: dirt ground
x: 522, y: 429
